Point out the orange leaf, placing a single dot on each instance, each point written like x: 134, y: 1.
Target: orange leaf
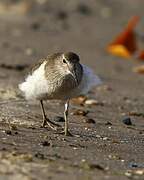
x: 119, y: 50
x: 141, y: 55
x: 125, y: 43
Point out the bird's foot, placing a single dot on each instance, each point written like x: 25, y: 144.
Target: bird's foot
x: 51, y: 124
x: 66, y: 133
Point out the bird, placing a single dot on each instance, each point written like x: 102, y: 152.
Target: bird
x: 59, y: 76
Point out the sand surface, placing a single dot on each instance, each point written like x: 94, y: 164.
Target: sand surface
x: 106, y: 149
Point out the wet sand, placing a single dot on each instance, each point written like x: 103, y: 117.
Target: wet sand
x: 104, y: 147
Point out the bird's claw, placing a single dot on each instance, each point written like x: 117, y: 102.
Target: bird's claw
x: 66, y: 133
x: 51, y: 124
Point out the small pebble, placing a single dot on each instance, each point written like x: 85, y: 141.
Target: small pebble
x: 128, y: 174
x: 59, y: 119
x: 127, y: 100
x: 105, y: 88
x: 83, y: 9
x: 39, y: 155
x: 89, y: 121
x: 45, y: 143
x: 96, y: 166
x: 105, y: 138
x: 83, y: 160
x: 108, y: 123
x: 35, y: 26
x: 120, y: 108
x: 29, y: 51
x: 31, y: 127
x: 3, y: 149
x: 134, y: 165
x: 62, y: 15
x: 86, y: 128
x: 98, y: 136
x: 13, y: 127
x: 127, y: 121
x: 75, y: 148
x: 8, y: 132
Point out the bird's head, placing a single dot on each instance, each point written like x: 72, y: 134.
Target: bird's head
x: 69, y: 64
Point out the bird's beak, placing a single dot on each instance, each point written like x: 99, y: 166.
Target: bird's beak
x: 74, y: 76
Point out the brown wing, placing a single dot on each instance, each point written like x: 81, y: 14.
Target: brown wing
x: 37, y: 65
x: 50, y: 57
x: 32, y: 68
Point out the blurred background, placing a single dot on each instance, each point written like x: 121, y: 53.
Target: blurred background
x: 31, y: 29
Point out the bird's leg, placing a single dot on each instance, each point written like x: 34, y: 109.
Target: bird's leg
x: 46, y: 121
x: 43, y: 114
x: 66, y: 131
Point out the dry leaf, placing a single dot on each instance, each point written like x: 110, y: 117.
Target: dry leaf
x: 17, y: 8
x: 79, y: 100
x: 80, y: 112
x: 93, y: 102
x: 139, y: 171
x: 139, y: 69
x: 141, y: 55
x: 125, y: 44
x: 119, y: 50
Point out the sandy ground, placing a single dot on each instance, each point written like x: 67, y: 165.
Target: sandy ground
x: 104, y: 149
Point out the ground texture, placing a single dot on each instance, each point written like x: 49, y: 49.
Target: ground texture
x: 104, y: 147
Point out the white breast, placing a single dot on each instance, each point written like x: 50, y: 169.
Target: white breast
x: 35, y: 85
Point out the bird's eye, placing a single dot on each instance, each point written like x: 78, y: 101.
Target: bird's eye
x: 64, y: 61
